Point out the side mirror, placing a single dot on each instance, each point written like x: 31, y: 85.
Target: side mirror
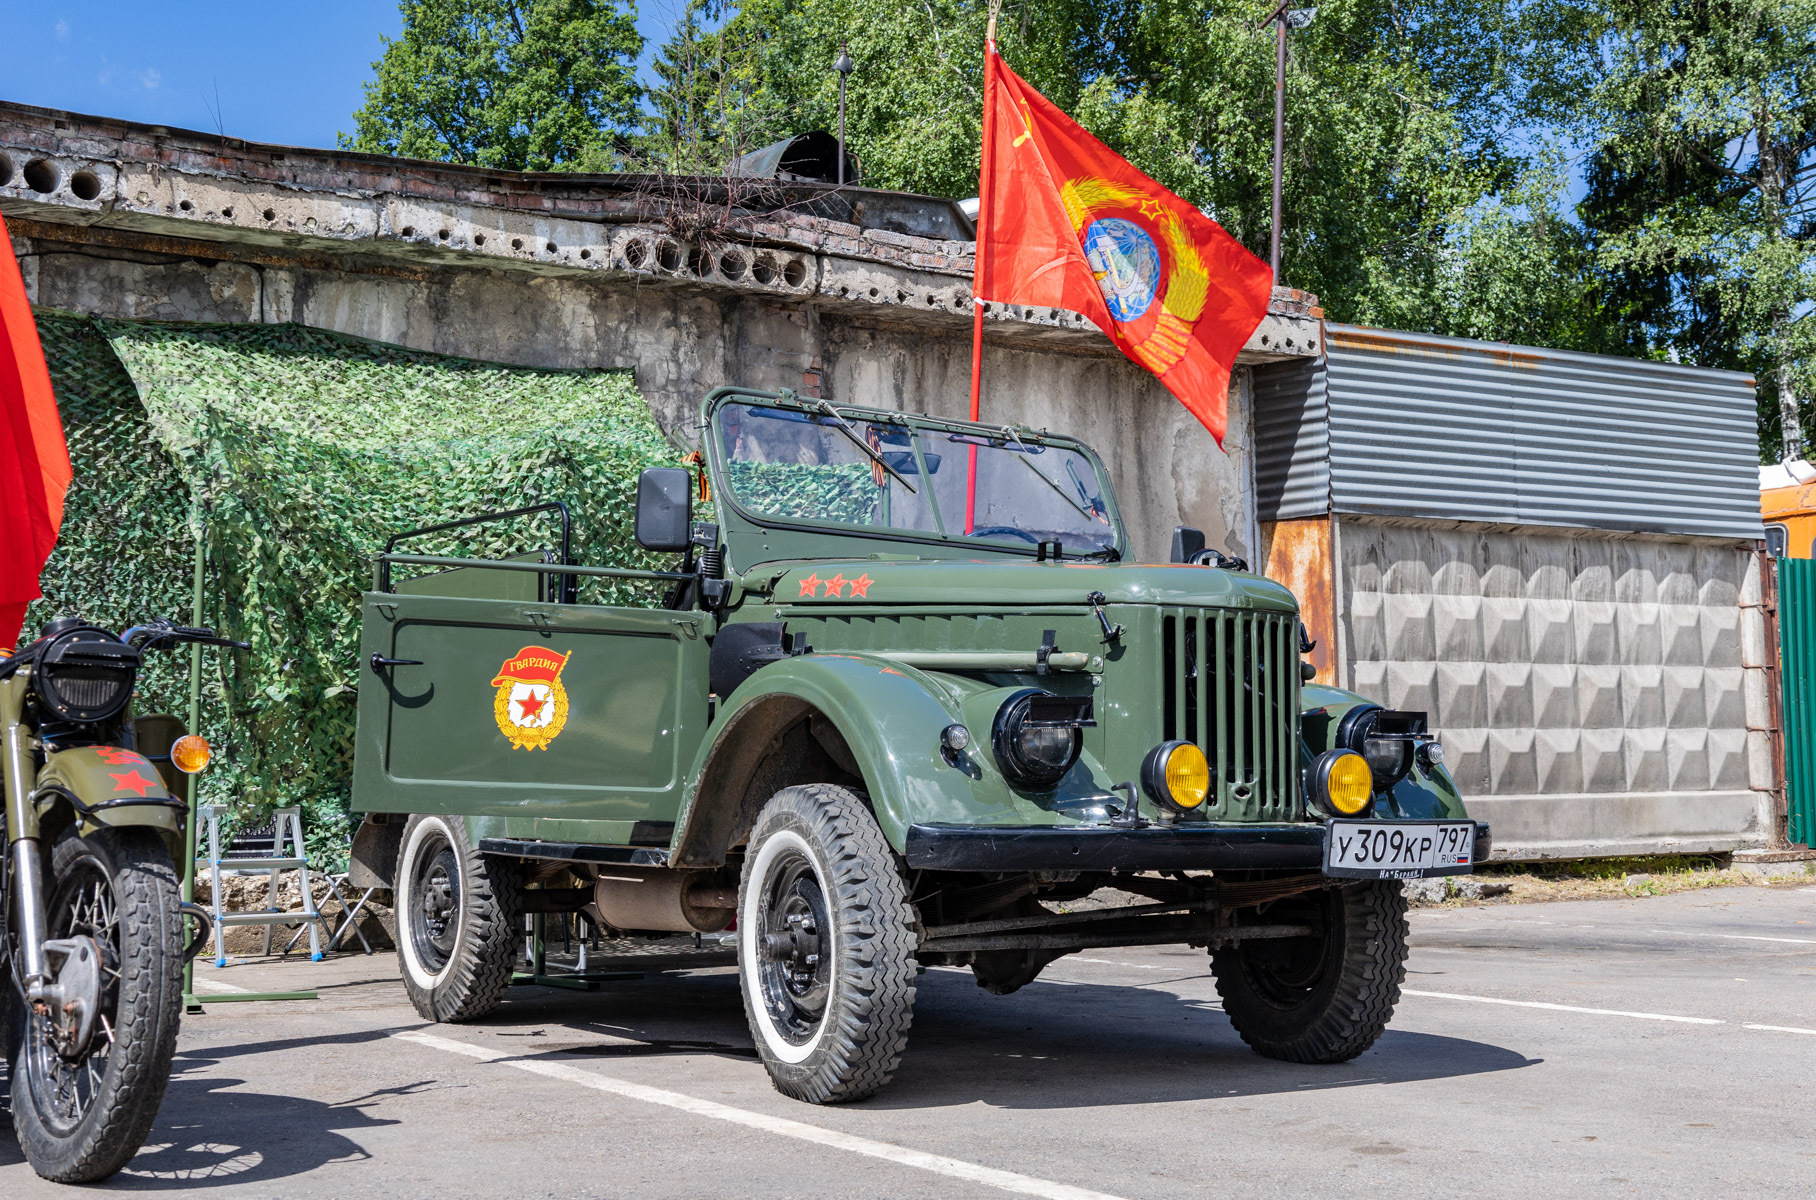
x: 665, y: 508
x: 1186, y: 543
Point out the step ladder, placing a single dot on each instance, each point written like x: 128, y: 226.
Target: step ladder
x: 247, y: 856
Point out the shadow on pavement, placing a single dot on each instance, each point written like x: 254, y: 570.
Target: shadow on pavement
x: 1051, y: 1045
x: 211, y: 1132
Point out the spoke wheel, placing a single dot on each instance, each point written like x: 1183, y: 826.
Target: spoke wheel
x: 81, y: 1112
x: 825, y: 946
x: 65, y: 1082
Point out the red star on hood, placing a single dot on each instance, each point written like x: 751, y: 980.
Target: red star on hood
x: 809, y: 584
x: 133, y: 782
x: 860, y: 587
x: 531, y: 705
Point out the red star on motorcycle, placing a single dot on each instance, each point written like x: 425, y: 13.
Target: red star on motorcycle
x: 133, y: 782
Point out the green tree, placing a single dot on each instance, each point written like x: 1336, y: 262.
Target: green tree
x: 1399, y: 122
x: 529, y: 85
x: 1702, y: 202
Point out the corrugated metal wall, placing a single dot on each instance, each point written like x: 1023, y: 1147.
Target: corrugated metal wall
x: 1433, y: 427
x: 1292, y: 440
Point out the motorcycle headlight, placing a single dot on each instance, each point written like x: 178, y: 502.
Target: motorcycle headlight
x: 85, y: 675
x: 1037, y: 736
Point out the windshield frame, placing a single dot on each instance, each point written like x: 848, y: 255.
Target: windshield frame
x: 954, y: 545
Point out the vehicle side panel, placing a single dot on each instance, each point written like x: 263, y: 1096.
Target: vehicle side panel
x: 432, y: 738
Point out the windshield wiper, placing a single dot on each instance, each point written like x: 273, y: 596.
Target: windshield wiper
x: 1041, y: 475
x: 861, y: 444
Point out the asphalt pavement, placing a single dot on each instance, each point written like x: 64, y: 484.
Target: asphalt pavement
x: 1656, y: 1047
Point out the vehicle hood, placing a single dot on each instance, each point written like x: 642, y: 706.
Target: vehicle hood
x: 994, y: 581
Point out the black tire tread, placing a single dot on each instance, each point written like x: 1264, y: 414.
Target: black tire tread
x: 1351, y: 1016
x: 862, y: 1050
x: 491, y: 890
x: 150, y: 1009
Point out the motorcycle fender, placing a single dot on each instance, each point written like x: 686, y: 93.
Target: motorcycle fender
x: 108, y: 786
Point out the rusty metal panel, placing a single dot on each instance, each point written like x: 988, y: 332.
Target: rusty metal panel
x: 1425, y: 426
x: 1298, y: 554
x: 1292, y: 440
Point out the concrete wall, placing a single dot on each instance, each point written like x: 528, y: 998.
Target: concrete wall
x: 681, y: 342
x: 1595, y: 694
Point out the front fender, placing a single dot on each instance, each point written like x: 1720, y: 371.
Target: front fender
x: 1422, y: 795
x: 108, y: 786
x: 890, y: 717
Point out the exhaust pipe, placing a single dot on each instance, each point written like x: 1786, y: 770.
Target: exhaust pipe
x: 657, y: 898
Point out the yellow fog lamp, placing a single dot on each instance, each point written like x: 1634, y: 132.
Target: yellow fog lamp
x: 1342, y: 783
x: 1176, y: 775
x: 190, y: 753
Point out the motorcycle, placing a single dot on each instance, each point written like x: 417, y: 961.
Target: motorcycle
x: 94, y: 944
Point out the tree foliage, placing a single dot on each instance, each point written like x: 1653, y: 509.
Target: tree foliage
x: 528, y: 85
x: 1702, y: 184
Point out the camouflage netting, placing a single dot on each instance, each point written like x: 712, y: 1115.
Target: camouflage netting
x: 299, y: 452
x: 826, y: 491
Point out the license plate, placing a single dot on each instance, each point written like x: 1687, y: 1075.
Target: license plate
x: 1398, y: 849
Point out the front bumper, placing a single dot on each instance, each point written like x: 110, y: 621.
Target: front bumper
x: 1198, y: 847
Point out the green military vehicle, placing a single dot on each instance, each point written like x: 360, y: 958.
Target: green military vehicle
x: 903, y: 705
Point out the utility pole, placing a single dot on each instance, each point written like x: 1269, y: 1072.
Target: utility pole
x: 1282, y: 19
x: 844, y: 67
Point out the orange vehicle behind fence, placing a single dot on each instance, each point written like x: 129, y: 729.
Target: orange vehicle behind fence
x: 1787, y: 505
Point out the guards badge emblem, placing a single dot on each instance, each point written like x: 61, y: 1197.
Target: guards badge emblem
x: 530, y: 705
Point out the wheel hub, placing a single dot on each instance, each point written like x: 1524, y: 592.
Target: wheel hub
x: 795, y: 971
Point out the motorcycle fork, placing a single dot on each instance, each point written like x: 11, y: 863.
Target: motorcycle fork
x: 24, y: 851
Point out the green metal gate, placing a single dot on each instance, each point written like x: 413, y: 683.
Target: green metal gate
x: 1797, y: 675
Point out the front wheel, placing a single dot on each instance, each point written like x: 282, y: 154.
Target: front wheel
x: 1324, y: 998
x: 825, y: 946
x: 81, y: 1115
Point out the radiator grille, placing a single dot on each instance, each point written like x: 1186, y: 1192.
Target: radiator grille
x: 1232, y: 687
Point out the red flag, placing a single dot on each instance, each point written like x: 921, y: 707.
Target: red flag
x: 1065, y: 222
x: 34, y: 461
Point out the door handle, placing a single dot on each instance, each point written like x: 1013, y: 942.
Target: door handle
x: 380, y: 662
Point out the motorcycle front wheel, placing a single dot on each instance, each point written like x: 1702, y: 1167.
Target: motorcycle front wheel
x: 81, y: 1118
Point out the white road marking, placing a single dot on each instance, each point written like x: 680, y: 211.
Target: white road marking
x: 1598, y: 1012
x: 954, y: 1168
x: 214, y: 987
x: 1736, y: 937
x: 1781, y: 1029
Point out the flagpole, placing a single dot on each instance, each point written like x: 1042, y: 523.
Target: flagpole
x: 979, y: 261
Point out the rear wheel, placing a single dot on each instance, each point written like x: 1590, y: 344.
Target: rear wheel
x: 826, y: 948
x: 1324, y: 998
x: 81, y: 1112
x: 458, y: 913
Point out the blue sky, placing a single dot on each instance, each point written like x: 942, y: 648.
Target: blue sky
x: 284, y: 73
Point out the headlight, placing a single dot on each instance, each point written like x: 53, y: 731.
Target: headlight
x: 1342, y: 783
x: 85, y: 675
x: 1037, y: 736
x: 1176, y: 775
x: 1385, y: 738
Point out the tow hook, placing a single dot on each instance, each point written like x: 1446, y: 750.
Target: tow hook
x: 1111, y: 633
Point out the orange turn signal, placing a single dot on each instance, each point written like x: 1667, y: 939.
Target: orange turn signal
x: 190, y: 753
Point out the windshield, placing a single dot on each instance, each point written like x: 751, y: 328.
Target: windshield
x: 924, y: 478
